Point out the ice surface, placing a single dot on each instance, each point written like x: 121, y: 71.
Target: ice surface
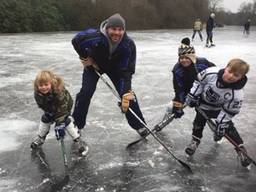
x: 109, y: 166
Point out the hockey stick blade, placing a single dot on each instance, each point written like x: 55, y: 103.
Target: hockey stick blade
x: 156, y: 128
x: 137, y: 141
x: 163, y: 123
x: 212, y: 126
x: 185, y: 165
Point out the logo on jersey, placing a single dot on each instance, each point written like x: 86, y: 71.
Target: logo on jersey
x: 211, y: 96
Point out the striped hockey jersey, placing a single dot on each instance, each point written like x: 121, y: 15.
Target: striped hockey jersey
x: 217, y: 95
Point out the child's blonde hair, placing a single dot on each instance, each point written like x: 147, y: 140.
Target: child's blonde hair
x: 46, y: 76
x: 238, y: 66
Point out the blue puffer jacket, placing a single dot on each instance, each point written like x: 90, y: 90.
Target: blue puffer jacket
x: 183, y: 77
x: 93, y: 43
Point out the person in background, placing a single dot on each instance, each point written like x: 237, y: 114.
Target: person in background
x: 54, y: 99
x: 247, y: 27
x: 210, y: 24
x: 184, y: 73
x: 219, y: 94
x: 111, y: 51
x: 198, y: 26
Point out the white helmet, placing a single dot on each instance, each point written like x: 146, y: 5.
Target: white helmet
x: 212, y: 15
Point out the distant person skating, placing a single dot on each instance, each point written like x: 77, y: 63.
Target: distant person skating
x: 198, y: 26
x: 209, y: 28
x: 247, y: 26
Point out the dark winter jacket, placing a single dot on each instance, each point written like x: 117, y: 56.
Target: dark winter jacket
x: 58, y: 105
x: 247, y: 25
x: 183, y: 77
x: 93, y: 43
x: 210, y: 24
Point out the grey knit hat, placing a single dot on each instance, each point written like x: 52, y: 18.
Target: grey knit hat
x: 115, y: 20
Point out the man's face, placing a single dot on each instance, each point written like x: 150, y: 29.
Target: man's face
x: 185, y: 61
x: 231, y: 77
x: 115, y: 33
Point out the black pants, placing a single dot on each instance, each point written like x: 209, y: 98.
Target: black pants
x: 199, y: 33
x: 200, y: 121
x: 209, y: 37
x: 83, y: 99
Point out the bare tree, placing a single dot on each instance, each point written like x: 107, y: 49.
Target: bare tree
x: 214, y: 5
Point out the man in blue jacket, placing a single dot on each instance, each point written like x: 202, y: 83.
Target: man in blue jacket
x: 209, y: 28
x: 108, y: 50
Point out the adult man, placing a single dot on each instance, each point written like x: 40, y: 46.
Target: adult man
x: 108, y: 50
x: 247, y: 27
x: 209, y: 28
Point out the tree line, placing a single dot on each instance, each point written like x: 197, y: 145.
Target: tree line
x: 66, y: 15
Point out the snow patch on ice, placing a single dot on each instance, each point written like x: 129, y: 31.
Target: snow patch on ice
x: 11, y: 130
x: 109, y: 165
x: 7, y: 185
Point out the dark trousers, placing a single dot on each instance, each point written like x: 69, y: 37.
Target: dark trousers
x: 209, y: 37
x: 83, y: 99
x: 199, y: 33
x: 200, y: 121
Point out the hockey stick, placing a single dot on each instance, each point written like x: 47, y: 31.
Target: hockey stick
x: 65, y: 159
x: 213, y: 126
x: 160, y: 126
x: 119, y: 100
x: 166, y: 120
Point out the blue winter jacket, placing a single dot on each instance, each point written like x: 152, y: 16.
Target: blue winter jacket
x: 93, y: 43
x: 183, y: 77
x: 210, y: 24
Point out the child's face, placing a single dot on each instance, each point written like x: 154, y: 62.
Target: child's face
x: 44, y: 87
x: 185, y: 61
x: 231, y: 77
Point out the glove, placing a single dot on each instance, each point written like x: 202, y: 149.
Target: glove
x: 89, y: 62
x: 177, y: 109
x: 126, y: 101
x: 221, y: 128
x: 60, y: 130
x: 192, y: 101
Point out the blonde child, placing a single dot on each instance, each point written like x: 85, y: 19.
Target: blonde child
x: 56, y: 102
x: 219, y: 94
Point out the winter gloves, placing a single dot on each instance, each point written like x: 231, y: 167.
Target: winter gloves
x: 88, y: 61
x: 192, y: 100
x: 60, y: 130
x: 126, y: 98
x: 220, y: 130
x: 176, y: 109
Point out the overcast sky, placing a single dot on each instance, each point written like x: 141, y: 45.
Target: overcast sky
x: 233, y: 5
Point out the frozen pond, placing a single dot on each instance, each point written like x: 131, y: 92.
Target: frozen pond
x: 110, y: 167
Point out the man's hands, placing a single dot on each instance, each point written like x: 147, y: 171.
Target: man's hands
x: 126, y: 98
x: 89, y: 62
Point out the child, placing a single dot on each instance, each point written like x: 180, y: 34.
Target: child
x: 219, y: 93
x: 56, y: 102
x: 184, y: 73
